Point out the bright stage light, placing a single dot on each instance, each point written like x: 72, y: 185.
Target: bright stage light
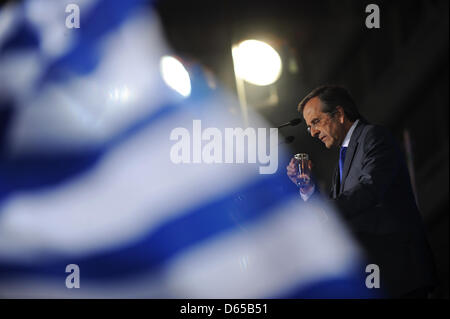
x: 175, y: 75
x: 256, y: 62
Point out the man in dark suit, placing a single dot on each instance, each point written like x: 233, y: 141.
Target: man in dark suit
x: 372, y: 191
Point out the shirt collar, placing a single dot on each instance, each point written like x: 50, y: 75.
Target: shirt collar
x: 349, y: 134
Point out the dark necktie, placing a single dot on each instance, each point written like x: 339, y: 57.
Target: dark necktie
x: 342, y: 161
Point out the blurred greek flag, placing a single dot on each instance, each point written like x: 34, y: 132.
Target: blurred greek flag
x: 86, y: 177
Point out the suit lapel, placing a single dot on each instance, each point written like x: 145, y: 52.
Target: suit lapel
x: 352, y: 147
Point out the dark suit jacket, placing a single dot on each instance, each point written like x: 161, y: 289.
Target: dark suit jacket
x: 376, y: 200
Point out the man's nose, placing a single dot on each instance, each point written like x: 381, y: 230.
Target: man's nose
x: 314, y: 132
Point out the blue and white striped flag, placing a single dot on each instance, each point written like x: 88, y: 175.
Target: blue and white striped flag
x: 86, y: 176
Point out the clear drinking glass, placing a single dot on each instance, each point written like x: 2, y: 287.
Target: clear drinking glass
x: 303, y: 174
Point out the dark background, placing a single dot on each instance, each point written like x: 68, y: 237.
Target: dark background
x: 398, y: 76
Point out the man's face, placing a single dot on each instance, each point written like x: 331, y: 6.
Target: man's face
x: 325, y: 126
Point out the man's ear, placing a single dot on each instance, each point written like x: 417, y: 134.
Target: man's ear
x: 341, y: 114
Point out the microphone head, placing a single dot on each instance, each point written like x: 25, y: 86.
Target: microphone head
x: 295, y: 121
x: 289, y: 139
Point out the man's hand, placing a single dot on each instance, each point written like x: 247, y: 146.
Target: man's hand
x: 292, y: 172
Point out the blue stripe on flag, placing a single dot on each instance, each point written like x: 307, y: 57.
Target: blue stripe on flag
x: 41, y: 170
x: 160, y: 245
x: 102, y: 19
x: 23, y: 38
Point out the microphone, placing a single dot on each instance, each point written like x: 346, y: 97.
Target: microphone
x: 287, y: 140
x: 293, y: 122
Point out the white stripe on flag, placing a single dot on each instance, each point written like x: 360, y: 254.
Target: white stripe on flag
x: 133, y: 189
x: 290, y: 249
